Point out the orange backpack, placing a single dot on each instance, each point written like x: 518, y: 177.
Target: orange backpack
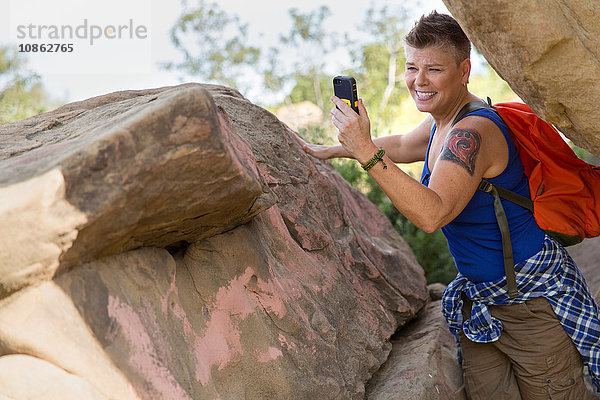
x: 565, y: 191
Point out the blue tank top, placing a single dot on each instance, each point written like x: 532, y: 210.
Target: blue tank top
x: 473, y: 237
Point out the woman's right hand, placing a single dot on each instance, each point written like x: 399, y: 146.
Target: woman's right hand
x: 320, y: 151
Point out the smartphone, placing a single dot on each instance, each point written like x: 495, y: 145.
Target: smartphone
x: 344, y: 87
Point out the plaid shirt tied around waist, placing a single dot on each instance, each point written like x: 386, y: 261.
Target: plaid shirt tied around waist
x: 551, y: 273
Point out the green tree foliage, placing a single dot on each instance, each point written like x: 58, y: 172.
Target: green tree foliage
x: 213, y: 44
x: 273, y: 79
x: 21, y: 91
x: 311, y: 43
x: 381, y: 69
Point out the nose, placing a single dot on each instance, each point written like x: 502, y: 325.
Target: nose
x: 421, y: 78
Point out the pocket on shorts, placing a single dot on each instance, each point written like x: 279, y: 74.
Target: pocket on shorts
x: 564, y: 380
x: 567, y: 387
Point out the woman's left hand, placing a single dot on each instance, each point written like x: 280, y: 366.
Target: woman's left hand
x: 354, y: 129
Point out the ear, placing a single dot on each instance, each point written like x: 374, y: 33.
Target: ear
x: 465, y: 69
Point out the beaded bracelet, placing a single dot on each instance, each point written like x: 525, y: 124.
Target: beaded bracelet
x: 376, y: 158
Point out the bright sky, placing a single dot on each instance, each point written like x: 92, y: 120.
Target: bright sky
x: 127, y: 61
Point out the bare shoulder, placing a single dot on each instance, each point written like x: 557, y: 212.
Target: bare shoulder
x: 484, y: 125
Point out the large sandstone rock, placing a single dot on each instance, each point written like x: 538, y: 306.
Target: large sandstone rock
x: 119, y: 172
x: 178, y: 244
x: 548, y: 52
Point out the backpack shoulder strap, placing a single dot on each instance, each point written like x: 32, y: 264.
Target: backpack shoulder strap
x: 485, y: 186
x: 497, y: 192
x: 502, y: 220
x: 470, y: 107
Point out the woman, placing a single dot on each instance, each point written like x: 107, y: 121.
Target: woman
x: 512, y: 348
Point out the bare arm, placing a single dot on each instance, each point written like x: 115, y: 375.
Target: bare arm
x: 405, y: 148
x: 471, y: 151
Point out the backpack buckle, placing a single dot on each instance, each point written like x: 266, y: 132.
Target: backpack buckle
x: 485, y: 186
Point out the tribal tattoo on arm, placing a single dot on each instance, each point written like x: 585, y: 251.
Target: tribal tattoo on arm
x: 462, y: 147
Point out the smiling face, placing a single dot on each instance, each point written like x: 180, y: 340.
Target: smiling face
x: 435, y: 81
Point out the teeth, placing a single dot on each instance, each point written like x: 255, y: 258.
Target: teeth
x: 426, y: 93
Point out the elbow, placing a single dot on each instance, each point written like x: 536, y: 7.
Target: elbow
x: 434, y: 220
x: 429, y: 228
x: 430, y: 225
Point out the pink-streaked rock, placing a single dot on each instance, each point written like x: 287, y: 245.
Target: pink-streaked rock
x: 259, y: 273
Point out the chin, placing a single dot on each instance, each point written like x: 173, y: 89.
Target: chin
x: 422, y: 107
